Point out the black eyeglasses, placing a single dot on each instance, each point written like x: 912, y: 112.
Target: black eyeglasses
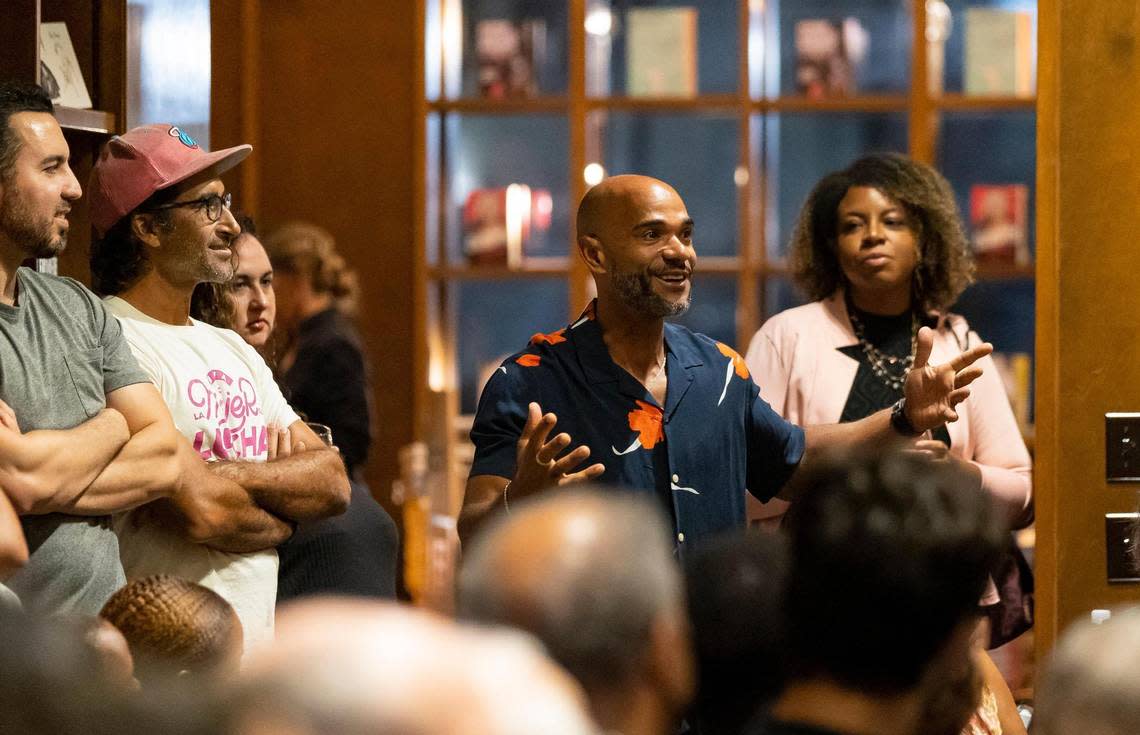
x: 211, y: 205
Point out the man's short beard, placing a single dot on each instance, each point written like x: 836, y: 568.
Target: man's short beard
x: 20, y: 228
x: 635, y: 290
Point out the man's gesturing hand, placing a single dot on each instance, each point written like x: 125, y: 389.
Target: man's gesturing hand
x: 539, y: 465
x: 932, y: 391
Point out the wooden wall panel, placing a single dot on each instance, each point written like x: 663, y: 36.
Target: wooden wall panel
x: 1088, y: 344
x: 325, y: 92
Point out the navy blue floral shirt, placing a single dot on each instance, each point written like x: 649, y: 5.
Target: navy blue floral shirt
x: 712, y: 441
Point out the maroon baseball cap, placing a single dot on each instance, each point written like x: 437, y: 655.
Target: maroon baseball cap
x: 146, y: 159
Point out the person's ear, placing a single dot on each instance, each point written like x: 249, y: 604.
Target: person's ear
x: 593, y: 255
x: 145, y: 227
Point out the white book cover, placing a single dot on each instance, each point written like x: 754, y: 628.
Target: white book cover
x: 59, y: 68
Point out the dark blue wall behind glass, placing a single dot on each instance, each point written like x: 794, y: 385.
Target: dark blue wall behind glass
x: 497, y: 150
x: 496, y: 318
x: 697, y: 154
x: 550, y: 70
x: 804, y: 147
x: 886, y: 67
x: 718, y: 47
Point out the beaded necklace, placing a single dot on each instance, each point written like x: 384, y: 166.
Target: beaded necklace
x: 890, y: 369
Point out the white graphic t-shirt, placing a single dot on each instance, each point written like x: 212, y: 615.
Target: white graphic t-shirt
x: 222, y: 397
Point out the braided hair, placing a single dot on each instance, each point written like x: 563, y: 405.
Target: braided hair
x: 173, y: 625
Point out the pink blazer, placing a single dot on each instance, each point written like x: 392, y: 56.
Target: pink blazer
x: 801, y: 373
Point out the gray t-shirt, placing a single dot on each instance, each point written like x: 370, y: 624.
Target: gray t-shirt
x: 60, y: 354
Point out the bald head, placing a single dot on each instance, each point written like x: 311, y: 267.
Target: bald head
x: 356, y: 667
x: 588, y: 572
x: 619, y: 202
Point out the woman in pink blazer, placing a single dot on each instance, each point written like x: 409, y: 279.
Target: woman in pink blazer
x: 880, y: 248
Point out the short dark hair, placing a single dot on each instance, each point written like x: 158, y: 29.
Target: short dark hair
x: 17, y: 97
x: 946, y: 266
x: 735, y: 586
x: 890, y: 554
x: 119, y: 258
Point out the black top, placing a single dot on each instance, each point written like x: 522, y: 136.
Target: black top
x: 328, y: 383
x: 870, y: 393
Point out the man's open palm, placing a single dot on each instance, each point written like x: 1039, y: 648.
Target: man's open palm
x: 932, y: 391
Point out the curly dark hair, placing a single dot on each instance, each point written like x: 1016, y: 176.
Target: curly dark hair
x: 890, y: 554
x: 119, y: 259
x: 210, y: 302
x: 946, y: 265
x: 173, y: 624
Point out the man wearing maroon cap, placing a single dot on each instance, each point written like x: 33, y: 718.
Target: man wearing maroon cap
x: 251, y: 467
x: 83, y: 433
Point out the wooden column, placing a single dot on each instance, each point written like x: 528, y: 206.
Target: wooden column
x: 1088, y: 294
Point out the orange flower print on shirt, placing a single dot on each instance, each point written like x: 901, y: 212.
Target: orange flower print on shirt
x: 551, y: 339
x: 738, y: 363
x: 528, y: 360
x: 646, y: 421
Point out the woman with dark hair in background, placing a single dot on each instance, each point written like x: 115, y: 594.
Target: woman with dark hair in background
x: 321, y: 369
x: 880, y: 248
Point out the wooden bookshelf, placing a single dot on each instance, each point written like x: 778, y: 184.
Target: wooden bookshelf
x: 586, y: 115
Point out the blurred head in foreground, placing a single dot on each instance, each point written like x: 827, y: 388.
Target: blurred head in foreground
x: 1092, y: 684
x: 591, y: 574
x: 353, y: 667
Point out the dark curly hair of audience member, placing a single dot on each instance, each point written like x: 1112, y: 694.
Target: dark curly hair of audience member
x: 946, y: 266
x: 119, y: 258
x: 890, y: 554
x: 210, y: 302
x: 15, y: 98
x: 174, y: 625
x: 307, y: 250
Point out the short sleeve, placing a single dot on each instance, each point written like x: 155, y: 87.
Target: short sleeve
x: 120, y: 368
x: 499, y: 421
x: 775, y: 448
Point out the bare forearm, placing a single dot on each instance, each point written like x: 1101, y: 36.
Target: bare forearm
x: 304, y: 486
x: 145, y: 469
x: 214, y: 511
x: 48, y: 470
x: 873, y: 430
x: 13, y: 546
x: 482, y: 496
x: 236, y: 528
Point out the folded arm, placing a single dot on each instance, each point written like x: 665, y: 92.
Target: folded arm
x: 210, y: 510
x: 307, y: 485
x: 45, y: 470
x: 146, y: 468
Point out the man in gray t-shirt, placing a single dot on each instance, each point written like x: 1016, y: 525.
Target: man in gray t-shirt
x: 83, y: 433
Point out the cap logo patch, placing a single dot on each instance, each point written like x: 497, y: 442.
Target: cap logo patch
x: 183, y: 137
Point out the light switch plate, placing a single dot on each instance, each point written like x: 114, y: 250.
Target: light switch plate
x: 1120, y: 544
x: 1122, y: 447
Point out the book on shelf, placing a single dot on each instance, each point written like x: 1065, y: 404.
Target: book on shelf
x: 828, y: 55
x: 508, y: 54
x: 661, y: 52
x: 999, y: 222
x: 60, y: 75
x: 498, y: 223
x: 1000, y: 53
x: 1016, y: 372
